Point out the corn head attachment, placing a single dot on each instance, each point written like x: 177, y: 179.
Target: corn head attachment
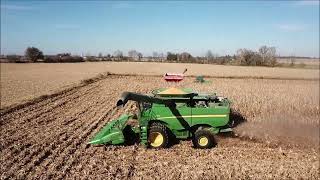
x: 119, y: 131
x: 112, y: 133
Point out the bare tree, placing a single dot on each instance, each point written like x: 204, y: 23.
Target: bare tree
x: 263, y: 50
x: 155, y: 55
x: 161, y: 56
x: 248, y: 57
x: 118, y: 54
x: 139, y: 55
x: 172, y: 56
x: 268, y: 55
x: 185, y: 56
x: 209, y: 55
x: 158, y: 56
x: 133, y: 53
x: 33, y: 54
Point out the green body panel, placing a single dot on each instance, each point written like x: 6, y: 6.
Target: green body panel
x: 183, y: 118
x: 112, y: 132
x: 214, y: 116
x: 172, y: 118
x: 188, y: 113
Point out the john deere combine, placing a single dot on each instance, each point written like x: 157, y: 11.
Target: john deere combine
x: 166, y: 115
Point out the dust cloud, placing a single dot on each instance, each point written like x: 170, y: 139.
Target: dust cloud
x: 282, y: 131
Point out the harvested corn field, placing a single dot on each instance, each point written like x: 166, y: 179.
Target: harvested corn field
x: 48, y: 138
x: 22, y: 82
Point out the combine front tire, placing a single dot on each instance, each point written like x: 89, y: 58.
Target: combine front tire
x: 203, y: 139
x: 158, y: 136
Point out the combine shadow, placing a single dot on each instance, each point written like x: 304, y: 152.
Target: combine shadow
x: 131, y: 138
x: 172, y: 139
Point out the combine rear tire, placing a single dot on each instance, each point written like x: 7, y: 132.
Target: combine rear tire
x: 203, y: 139
x: 158, y: 136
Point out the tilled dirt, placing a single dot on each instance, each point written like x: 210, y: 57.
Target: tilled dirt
x: 48, y: 139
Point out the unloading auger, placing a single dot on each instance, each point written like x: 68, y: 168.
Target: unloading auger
x: 168, y: 114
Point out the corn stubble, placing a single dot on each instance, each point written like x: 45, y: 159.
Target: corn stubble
x: 279, y: 140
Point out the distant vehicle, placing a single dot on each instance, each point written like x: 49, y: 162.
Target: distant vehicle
x: 174, y: 77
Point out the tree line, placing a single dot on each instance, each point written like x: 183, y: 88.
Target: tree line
x: 264, y: 56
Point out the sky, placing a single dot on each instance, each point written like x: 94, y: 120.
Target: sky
x: 91, y: 27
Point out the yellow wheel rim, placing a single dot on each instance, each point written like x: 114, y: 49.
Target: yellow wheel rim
x: 203, y: 141
x: 155, y: 139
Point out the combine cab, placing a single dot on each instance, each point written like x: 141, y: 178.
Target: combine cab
x: 166, y: 115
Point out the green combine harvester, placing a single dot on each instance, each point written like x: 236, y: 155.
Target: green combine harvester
x: 167, y: 115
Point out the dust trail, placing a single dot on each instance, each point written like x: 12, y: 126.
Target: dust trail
x: 282, y: 130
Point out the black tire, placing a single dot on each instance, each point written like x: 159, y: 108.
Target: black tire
x: 207, y: 136
x: 158, y: 129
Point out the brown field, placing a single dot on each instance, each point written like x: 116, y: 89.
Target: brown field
x: 22, y: 82
x: 280, y: 140
x: 306, y: 61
